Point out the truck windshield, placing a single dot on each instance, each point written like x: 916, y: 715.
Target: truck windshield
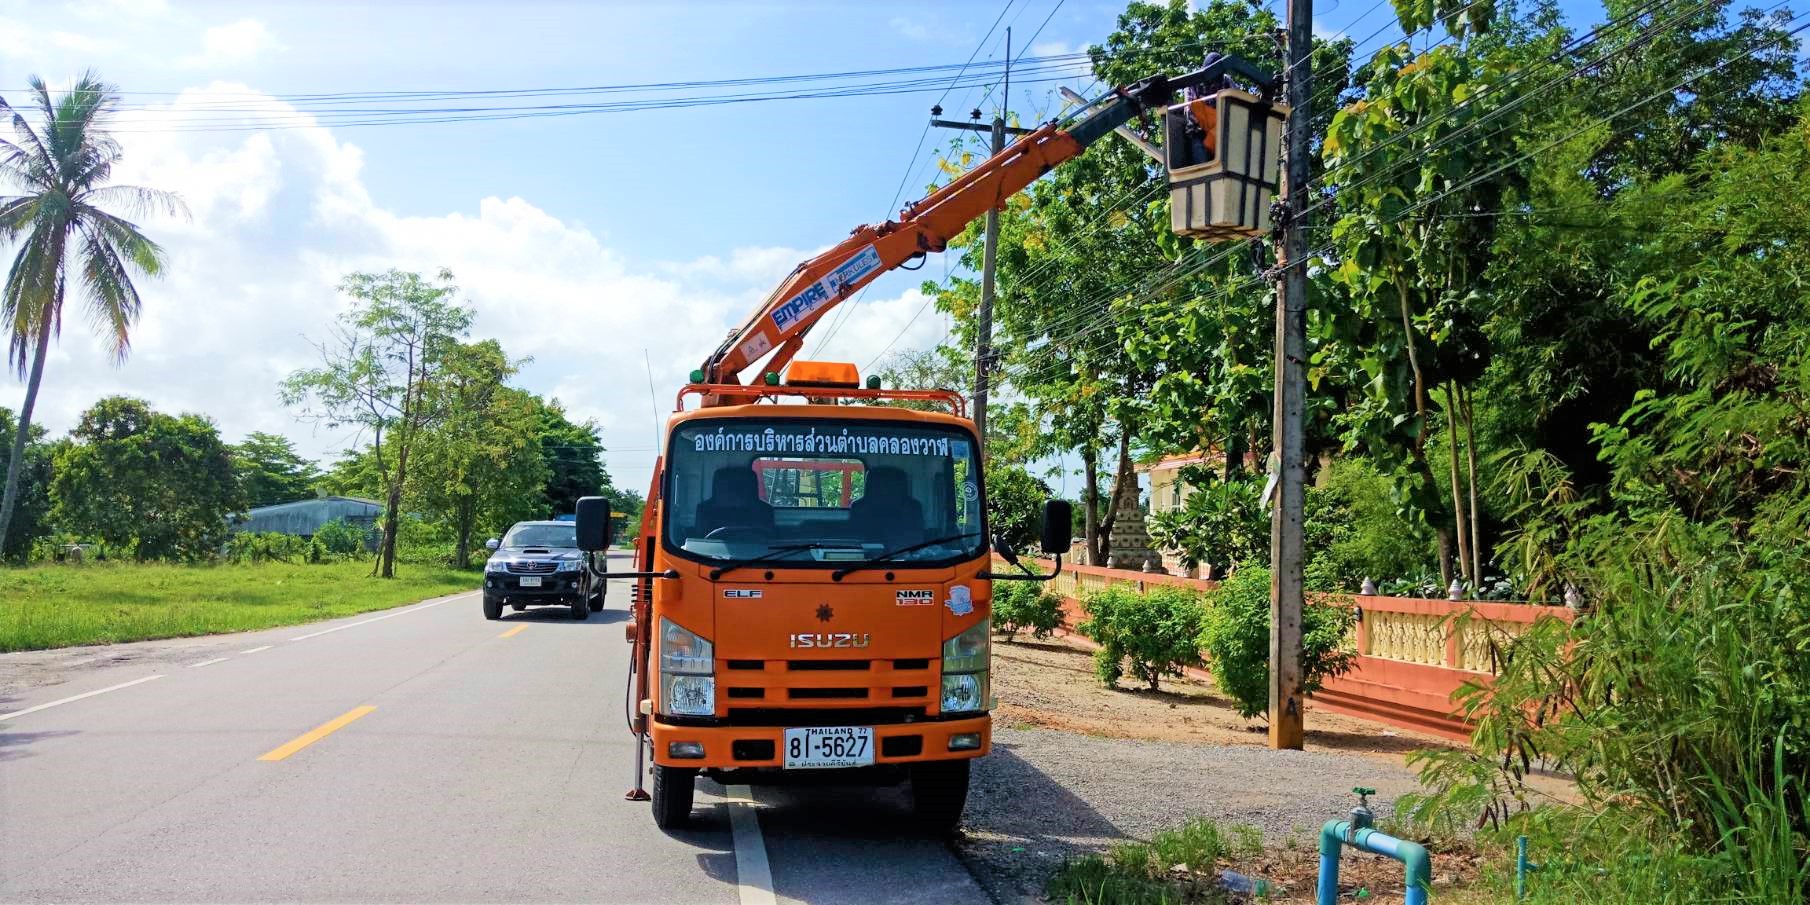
x: 815, y: 491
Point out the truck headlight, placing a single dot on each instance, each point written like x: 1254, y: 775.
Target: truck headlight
x: 687, y: 680
x: 965, y: 660
x: 968, y: 651
x: 683, y: 652
x: 688, y: 695
x: 496, y: 565
x: 567, y: 565
x: 964, y: 692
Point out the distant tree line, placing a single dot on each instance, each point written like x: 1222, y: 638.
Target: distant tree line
x: 451, y: 450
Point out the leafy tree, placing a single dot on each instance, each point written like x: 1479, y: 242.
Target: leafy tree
x: 573, y: 455
x: 62, y: 219
x: 376, y: 373
x: 158, y: 485
x: 480, y: 464
x: 1434, y: 138
x: 270, y: 471
x: 31, y: 518
x: 1015, y: 504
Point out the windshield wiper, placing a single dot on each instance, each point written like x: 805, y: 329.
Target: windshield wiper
x: 774, y: 554
x: 887, y: 556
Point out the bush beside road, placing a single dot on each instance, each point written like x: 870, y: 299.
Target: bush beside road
x: 100, y: 603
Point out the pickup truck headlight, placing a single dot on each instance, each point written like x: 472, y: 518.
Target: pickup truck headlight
x: 687, y: 672
x: 496, y: 564
x: 568, y: 565
x: 965, y: 660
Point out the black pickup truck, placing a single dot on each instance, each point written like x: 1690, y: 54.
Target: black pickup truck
x: 539, y: 564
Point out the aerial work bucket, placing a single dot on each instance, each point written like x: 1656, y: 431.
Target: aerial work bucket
x: 1224, y: 159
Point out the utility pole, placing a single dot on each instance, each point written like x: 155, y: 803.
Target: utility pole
x: 1286, y: 592
x: 983, y: 340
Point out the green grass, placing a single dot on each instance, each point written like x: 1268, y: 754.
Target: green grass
x: 99, y: 603
x: 1140, y: 873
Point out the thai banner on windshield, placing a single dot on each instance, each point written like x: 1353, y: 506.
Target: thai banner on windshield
x: 811, y: 441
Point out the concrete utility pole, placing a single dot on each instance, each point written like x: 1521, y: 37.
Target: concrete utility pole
x: 983, y: 340
x: 1285, y: 716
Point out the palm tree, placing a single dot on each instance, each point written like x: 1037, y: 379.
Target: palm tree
x: 63, y: 231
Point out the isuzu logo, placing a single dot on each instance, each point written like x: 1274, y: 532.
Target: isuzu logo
x: 829, y: 639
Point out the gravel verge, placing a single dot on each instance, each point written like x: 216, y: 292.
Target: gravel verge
x: 1044, y: 796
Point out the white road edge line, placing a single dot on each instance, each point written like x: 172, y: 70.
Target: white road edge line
x: 77, y: 697
x: 753, y: 875
x: 413, y: 609
x: 209, y: 662
x: 256, y: 649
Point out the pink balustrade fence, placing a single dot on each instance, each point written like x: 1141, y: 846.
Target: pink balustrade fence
x: 1413, y: 654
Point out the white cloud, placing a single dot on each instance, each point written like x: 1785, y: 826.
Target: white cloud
x: 231, y: 44
x: 280, y: 216
x: 1051, y: 48
x: 930, y: 28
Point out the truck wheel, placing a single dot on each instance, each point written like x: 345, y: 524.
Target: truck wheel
x: 939, y: 790
x: 493, y: 608
x: 597, y: 600
x: 578, y: 608
x: 672, y: 796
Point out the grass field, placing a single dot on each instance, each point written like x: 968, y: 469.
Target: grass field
x: 98, y: 603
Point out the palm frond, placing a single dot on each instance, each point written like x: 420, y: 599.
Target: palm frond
x: 137, y: 201
x: 28, y: 301
x: 114, y: 302
x: 27, y: 160
x: 132, y: 246
x: 16, y: 214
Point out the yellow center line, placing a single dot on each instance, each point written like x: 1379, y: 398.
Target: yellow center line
x: 317, y: 733
x: 513, y: 631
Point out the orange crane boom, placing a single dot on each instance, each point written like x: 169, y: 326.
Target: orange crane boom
x: 927, y: 225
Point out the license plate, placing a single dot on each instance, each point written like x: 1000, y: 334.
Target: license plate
x: 830, y: 746
x: 530, y: 581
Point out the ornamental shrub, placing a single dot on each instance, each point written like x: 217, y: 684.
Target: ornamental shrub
x: 1021, y: 605
x: 1236, y: 639
x: 1153, y: 634
x: 340, y: 538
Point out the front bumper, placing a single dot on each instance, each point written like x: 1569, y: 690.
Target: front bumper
x: 554, y: 585
x: 732, y: 747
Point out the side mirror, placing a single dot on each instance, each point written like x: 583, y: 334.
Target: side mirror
x: 1058, y: 525
x: 1004, y: 550
x: 593, y: 515
x: 492, y: 544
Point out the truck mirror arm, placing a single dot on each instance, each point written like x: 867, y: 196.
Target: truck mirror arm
x: 669, y: 573
x: 1027, y: 576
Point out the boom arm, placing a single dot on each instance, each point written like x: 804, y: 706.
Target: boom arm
x: 927, y: 225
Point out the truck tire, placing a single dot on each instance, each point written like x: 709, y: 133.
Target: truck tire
x: 579, y: 610
x: 493, y: 608
x: 672, y: 796
x: 597, y: 599
x: 939, y: 791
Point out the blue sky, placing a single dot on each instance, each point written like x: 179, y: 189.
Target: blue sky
x: 593, y: 243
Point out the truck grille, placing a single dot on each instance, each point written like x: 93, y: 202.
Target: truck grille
x: 540, y: 567
x: 806, y: 665
x: 822, y: 716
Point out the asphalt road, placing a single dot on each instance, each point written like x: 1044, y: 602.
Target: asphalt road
x: 422, y: 754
